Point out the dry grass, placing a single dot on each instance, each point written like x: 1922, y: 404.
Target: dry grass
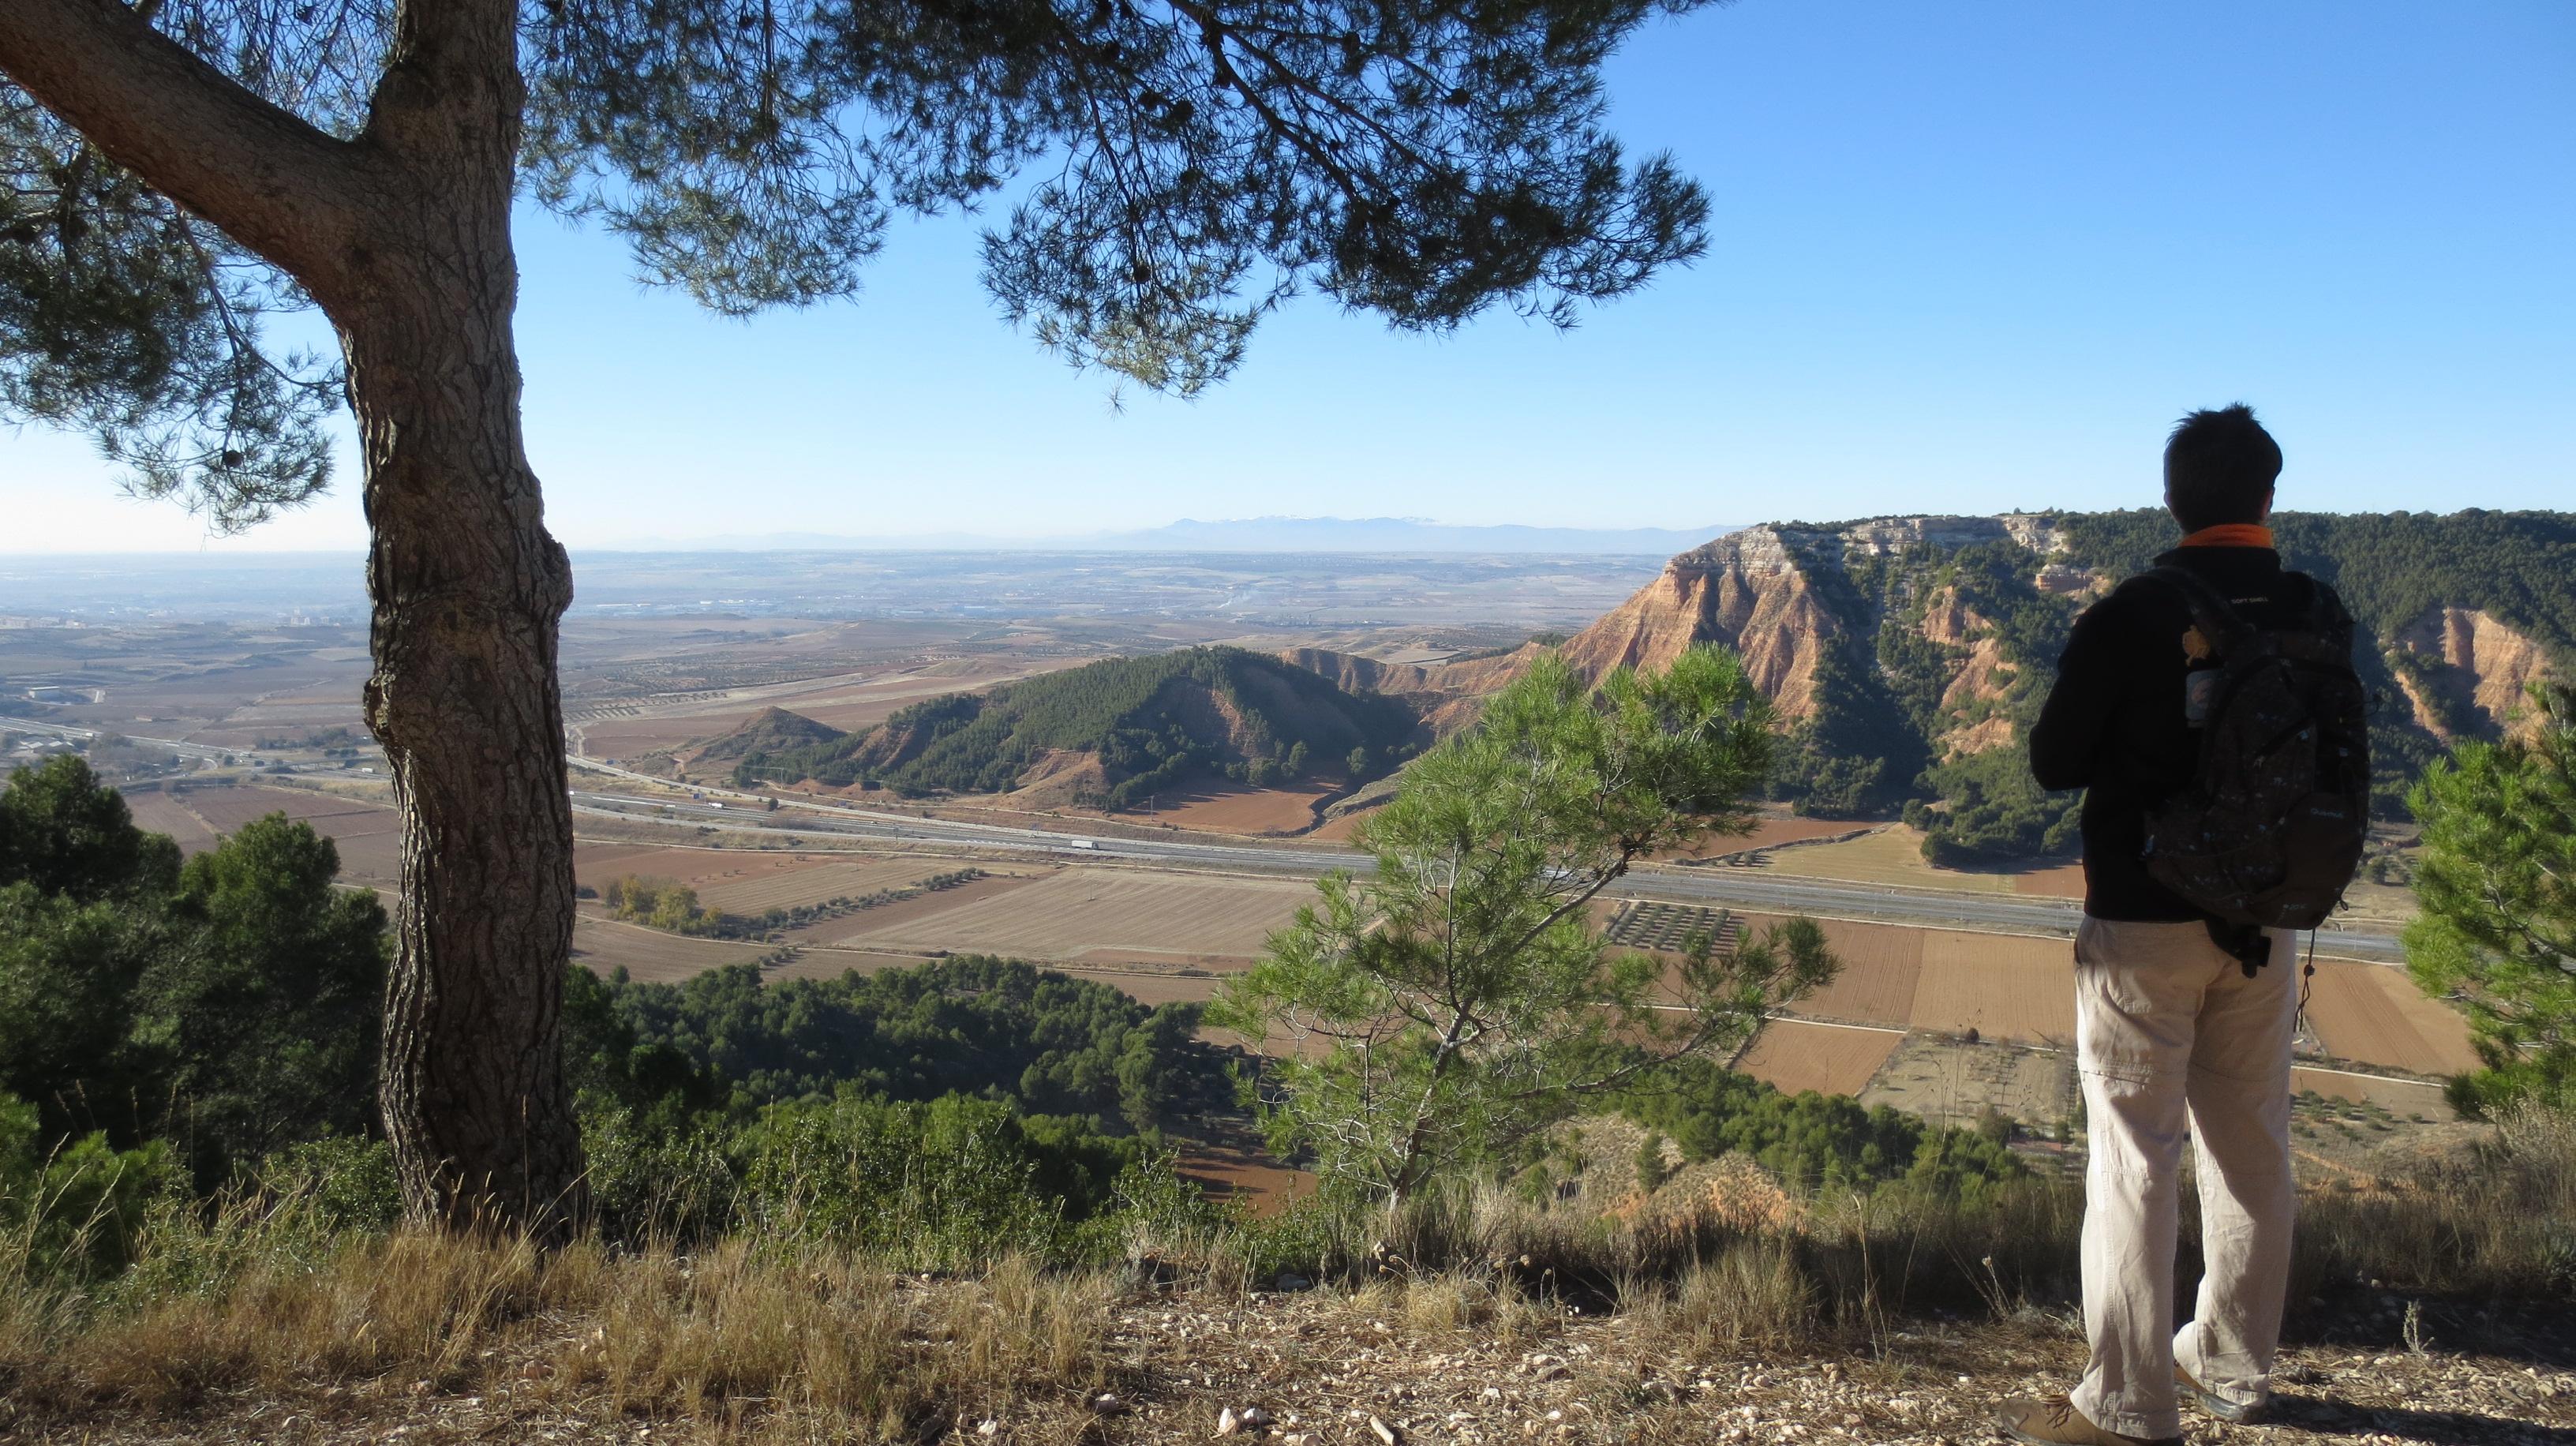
x: 2501, y: 1222
x: 758, y: 1340
x: 813, y: 1346
x: 1755, y: 1295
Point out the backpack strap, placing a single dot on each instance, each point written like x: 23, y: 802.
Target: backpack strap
x: 2211, y: 612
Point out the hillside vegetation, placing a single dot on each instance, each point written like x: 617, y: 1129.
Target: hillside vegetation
x: 1111, y: 733
x: 771, y: 730
x: 1910, y: 655
x: 2390, y: 567
x: 971, y: 1024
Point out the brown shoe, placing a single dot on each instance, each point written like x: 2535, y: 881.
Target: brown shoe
x: 2056, y: 1422
x: 2218, y: 1407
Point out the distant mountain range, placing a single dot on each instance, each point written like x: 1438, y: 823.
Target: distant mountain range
x: 1249, y: 534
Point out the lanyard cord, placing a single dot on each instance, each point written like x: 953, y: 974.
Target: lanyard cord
x: 2307, y: 979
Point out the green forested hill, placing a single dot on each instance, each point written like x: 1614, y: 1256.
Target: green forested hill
x: 1887, y: 718
x: 2391, y: 567
x: 1146, y: 721
x: 771, y: 730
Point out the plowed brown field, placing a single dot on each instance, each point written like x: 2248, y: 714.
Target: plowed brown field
x: 898, y: 926
x: 1079, y: 910
x: 2374, y: 1014
x: 2001, y: 985
x: 1221, y: 807
x: 368, y: 835
x: 1827, y: 1058
x: 161, y: 813
x: 1881, y: 966
x: 752, y: 892
x: 1339, y: 830
x: 2066, y: 881
x: 649, y: 954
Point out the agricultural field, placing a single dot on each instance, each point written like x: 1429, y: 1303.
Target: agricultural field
x: 1947, y: 1081
x: 1216, y: 806
x: 1774, y: 827
x: 2375, y: 1015
x: 367, y: 834
x: 602, y: 945
x: 1077, y: 913
x: 1881, y: 968
x: 1171, y: 937
x: 1643, y: 924
x: 1231, y: 1162
x: 2003, y: 986
x: 1836, y: 1059
x: 2058, y: 881
x: 748, y: 881
x: 2357, y: 1136
x: 1892, y: 855
x: 889, y: 926
x: 2405, y: 1097
x: 163, y: 812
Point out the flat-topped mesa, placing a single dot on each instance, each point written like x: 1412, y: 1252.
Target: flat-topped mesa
x: 1779, y: 546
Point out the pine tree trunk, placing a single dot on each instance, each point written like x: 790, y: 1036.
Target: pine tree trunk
x: 468, y: 588
x: 403, y: 236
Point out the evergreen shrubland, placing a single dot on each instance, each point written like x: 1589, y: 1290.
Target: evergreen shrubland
x: 1821, y: 1144
x: 1878, y: 738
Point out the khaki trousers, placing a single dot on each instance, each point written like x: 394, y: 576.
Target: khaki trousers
x: 2168, y: 1030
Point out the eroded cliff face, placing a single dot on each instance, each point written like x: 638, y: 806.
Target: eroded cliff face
x: 1747, y: 591
x: 1760, y: 592
x: 1788, y: 597
x: 1979, y: 676
x: 2473, y: 673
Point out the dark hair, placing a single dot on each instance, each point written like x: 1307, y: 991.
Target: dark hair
x: 2219, y: 467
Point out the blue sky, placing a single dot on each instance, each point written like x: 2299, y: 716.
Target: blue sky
x: 1965, y: 258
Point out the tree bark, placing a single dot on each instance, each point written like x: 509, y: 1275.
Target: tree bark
x: 402, y: 234
x: 468, y: 588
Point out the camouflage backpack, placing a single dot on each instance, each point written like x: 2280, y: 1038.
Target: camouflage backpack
x: 2270, y: 831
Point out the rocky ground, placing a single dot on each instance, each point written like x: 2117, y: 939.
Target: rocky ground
x: 1381, y: 1367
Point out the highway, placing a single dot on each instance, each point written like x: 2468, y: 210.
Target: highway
x: 1739, y: 888
x: 185, y: 750
x: 1752, y: 890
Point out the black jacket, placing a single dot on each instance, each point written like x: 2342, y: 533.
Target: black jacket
x: 2114, y: 722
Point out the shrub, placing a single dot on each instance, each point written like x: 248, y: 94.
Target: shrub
x: 75, y: 1212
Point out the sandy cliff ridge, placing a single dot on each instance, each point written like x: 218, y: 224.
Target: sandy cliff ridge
x: 2477, y: 671
x: 1760, y: 592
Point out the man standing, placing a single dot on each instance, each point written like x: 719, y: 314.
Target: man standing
x: 2180, y: 1015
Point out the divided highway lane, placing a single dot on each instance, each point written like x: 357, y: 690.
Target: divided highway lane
x: 1976, y: 913
x: 183, y: 749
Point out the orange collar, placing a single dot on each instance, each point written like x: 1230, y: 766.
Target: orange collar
x: 2230, y: 534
